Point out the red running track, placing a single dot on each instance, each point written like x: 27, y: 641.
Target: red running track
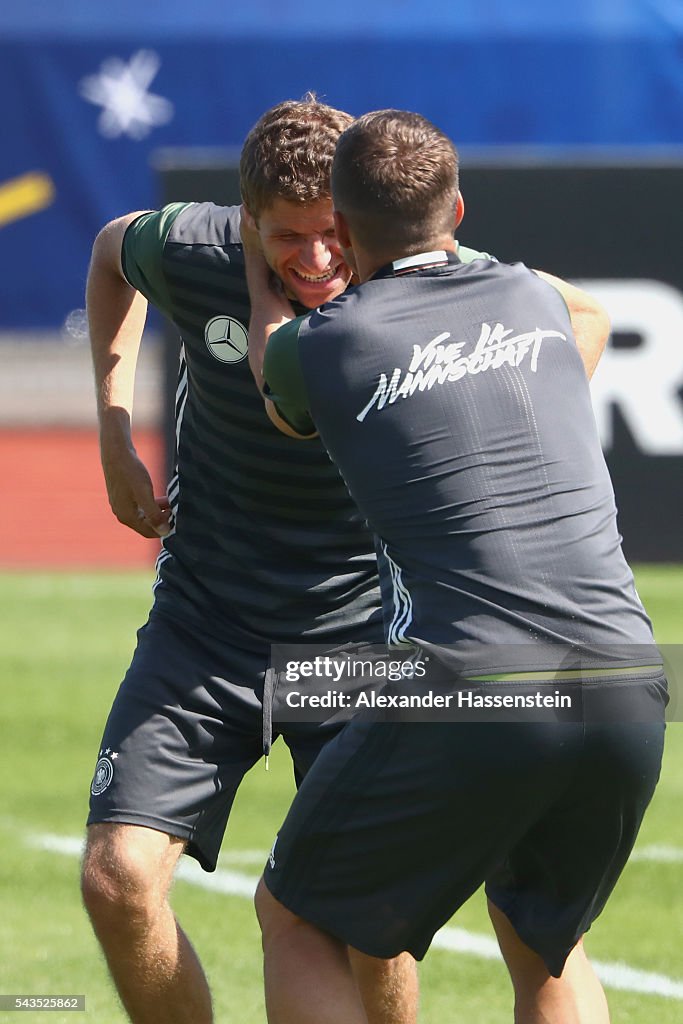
x: 54, y: 511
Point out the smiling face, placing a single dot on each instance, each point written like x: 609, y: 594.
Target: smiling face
x: 300, y: 245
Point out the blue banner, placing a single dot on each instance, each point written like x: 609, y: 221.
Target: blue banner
x: 92, y: 91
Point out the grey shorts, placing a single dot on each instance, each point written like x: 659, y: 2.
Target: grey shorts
x: 399, y: 823
x: 185, y: 727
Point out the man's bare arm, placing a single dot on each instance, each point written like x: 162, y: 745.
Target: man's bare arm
x: 589, y: 320
x: 116, y: 318
x: 270, y: 309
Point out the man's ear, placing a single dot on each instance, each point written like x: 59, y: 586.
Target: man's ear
x: 459, y: 210
x: 248, y: 218
x: 341, y: 229
x: 249, y: 232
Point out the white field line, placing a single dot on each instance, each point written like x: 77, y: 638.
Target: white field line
x: 229, y: 882
x: 455, y: 940
x: 659, y: 854
x: 613, y: 975
x: 257, y: 858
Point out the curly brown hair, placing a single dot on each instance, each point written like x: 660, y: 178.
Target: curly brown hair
x: 288, y: 153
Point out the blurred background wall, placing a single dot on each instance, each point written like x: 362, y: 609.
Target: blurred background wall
x: 93, y: 93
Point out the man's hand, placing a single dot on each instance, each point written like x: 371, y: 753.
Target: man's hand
x: 116, y: 317
x: 131, y: 494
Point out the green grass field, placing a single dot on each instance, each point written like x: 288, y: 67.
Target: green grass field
x: 65, y: 641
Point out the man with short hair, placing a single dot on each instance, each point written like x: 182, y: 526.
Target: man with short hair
x: 453, y: 400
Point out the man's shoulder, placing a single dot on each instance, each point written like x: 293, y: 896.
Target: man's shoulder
x: 468, y: 255
x: 185, y: 246
x: 342, y: 308
x: 206, y: 224
x: 184, y: 225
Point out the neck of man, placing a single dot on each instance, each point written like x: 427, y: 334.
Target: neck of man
x: 369, y: 261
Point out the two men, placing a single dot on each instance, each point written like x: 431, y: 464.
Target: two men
x: 261, y: 544
x: 453, y: 400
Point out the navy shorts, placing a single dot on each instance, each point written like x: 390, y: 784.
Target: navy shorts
x: 400, y: 822
x: 185, y: 727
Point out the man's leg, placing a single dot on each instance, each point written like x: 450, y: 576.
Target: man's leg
x: 127, y: 874
x: 576, y: 997
x: 309, y: 977
x: 389, y: 988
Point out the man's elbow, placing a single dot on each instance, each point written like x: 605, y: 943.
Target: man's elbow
x: 282, y: 425
x: 599, y: 318
x: 106, y: 250
x: 592, y: 329
x: 599, y: 323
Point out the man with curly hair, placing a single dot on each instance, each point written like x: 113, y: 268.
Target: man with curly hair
x: 260, y: 544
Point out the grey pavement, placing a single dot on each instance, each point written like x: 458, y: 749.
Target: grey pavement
x: 46, y: 380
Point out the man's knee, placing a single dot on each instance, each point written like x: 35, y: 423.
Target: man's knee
x: 127, y: 871
x: 274, y: 919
